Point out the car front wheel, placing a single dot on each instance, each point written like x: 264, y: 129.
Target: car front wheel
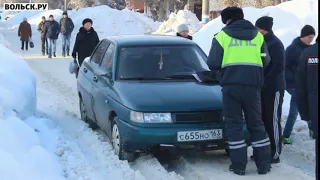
x: 118, y: 146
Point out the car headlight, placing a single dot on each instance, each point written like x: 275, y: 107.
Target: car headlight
x: 150, y: 117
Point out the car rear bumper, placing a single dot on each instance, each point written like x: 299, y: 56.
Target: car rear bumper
x: 137, y: 138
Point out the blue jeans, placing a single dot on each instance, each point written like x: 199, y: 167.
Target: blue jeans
x: 293, y: 114
x: 66, y: 43
x: 52, y: 46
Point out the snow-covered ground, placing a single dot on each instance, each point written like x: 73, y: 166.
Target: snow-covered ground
x: 51, y: 142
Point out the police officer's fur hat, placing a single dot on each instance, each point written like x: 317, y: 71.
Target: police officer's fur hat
x: 231, y: 13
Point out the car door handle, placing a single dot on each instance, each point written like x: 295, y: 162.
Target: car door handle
x: 95, y: 79
x: 85, y: 70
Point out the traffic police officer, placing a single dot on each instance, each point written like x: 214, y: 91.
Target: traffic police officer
x: 307, y: 90
x: 238, y: 55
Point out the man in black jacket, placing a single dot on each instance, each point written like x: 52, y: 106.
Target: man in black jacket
x: 87, y: 39
x: 307, y: 90
x: 293, y: 53
x: 44, y: 41
x: 51, y: 32
x: 238, y: 55
x: 273, y: 89
x: 66, y: 26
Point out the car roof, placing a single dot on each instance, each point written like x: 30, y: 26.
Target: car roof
x: 134, y: 40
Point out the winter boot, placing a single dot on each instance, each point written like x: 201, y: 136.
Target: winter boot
x: 49, y: 56
x: 238, y: 172
x: 275, y: 161
x: 54, y: 55
x: 286, y: 140
x: 264, y: 171
x: 63, y: 54
x: 43, y: 54
x: 68, y: 54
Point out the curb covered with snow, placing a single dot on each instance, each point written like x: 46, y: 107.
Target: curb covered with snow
x: 20, y: 147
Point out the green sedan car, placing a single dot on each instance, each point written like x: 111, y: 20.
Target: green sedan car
x: 143, y: 92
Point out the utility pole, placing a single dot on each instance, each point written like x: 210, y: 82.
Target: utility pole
x: 65, y: 5
x: 205, y: 11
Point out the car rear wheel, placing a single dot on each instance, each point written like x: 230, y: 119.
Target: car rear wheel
x: 117, y: 144
x: 84, y: 117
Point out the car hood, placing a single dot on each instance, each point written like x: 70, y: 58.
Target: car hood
x: 169, y: 96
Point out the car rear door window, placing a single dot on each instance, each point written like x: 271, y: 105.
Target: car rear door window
x: 107, y: 61
x: 96, y: 58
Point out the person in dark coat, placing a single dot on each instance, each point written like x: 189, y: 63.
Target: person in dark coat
x: 307, y: 90
x: 273, y: 89
x: 293, y: 53
x: 25, y: 33
x: 238, y: 55
x: 87, y: 39
x: 44, y: 41
x: 51, y: 32
x: 183, y: 31
x: 66, y: 26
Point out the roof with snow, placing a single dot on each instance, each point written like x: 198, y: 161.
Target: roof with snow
x: 128, y: 40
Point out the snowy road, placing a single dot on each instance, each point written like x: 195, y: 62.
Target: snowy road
x: 87, y: 155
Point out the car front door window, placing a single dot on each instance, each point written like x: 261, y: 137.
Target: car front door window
x: 98, y: 54
x: 107, y: 61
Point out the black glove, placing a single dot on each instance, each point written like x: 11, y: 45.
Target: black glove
x: 74, y: 55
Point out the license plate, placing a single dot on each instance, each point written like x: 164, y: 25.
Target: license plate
x: 203, y: 135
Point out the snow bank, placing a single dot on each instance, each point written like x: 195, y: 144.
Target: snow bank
x: 17, y: 83
x: 34, y: 17
x: 108, y: 21
x: 289, y: 18
x: 169, y: 27
x: 21, y: 153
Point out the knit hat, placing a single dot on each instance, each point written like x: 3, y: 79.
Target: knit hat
x: 43, y: 17
x: 25, y: 19
x: 265, y: 23
x: 307, y: 30
x: 231, y: 13
x: 65, y: 13
x: 51, y: 16
x: 86, y: 20
x: 182, y: 27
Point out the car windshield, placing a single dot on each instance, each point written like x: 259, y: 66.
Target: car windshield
x: 160, y: 62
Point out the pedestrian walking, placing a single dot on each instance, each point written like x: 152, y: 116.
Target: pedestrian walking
x: 183, y: 31
x: 51, y: 32
x: 87, y: 39
x: 273, y: 89
x: 44, y: 40
x: 238, y: 55
x: 293, y: 54
x: 66, y: 26
x: 25, y: 33
x: 307, y: 90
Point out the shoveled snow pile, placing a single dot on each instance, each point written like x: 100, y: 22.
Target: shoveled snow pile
x: 108, y: 21
x: 4, y: 41
x: 169, y: 27
x: 289, y: 18
x: 34, y: 17
x: 21, y: 153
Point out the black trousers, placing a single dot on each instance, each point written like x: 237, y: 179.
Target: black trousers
x: 44, y: 45
x: 24, y: 43
x: 271, y: 117
x: 239, y: 100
